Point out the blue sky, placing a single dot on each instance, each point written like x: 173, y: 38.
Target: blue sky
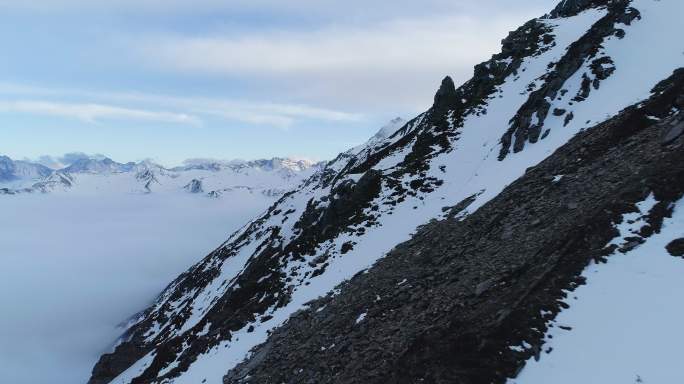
x: 172, y: 79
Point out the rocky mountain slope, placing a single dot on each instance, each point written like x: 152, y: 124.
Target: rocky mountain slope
x: 270, y: 177
x: 469, y: 301
x: 499, y: 196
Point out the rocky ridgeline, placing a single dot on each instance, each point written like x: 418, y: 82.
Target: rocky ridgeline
x: 527, y: 124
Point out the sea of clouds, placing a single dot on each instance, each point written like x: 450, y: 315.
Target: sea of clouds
x: 73, y: 267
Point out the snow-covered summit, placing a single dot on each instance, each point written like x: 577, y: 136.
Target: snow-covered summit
x: 388, y: 129
x: 13, y: 170
x: 361, y: 152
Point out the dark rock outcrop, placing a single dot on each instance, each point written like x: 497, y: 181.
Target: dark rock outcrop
x: 676, y: 247
x: 446, y: 96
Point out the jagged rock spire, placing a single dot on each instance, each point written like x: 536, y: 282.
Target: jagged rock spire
x: 446, y: 95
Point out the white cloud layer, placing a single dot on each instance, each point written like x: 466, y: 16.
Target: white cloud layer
x: 74, y: 266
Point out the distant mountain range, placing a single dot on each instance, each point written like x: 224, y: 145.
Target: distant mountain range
x: 213, y: 178
x: 98, y: 174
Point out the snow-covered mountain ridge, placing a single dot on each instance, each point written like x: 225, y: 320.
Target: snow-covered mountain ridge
x: 526, y: 168
x: 271, y: 177
x: 11, y: 171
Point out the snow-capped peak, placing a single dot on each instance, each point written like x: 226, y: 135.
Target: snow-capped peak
x: 97, y: 165
x: 388, y: 129
x: 17, y: 170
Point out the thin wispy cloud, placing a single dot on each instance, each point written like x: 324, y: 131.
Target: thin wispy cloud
x: 92, y: 113
x: 279, y: 115
x: 260, y: 113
